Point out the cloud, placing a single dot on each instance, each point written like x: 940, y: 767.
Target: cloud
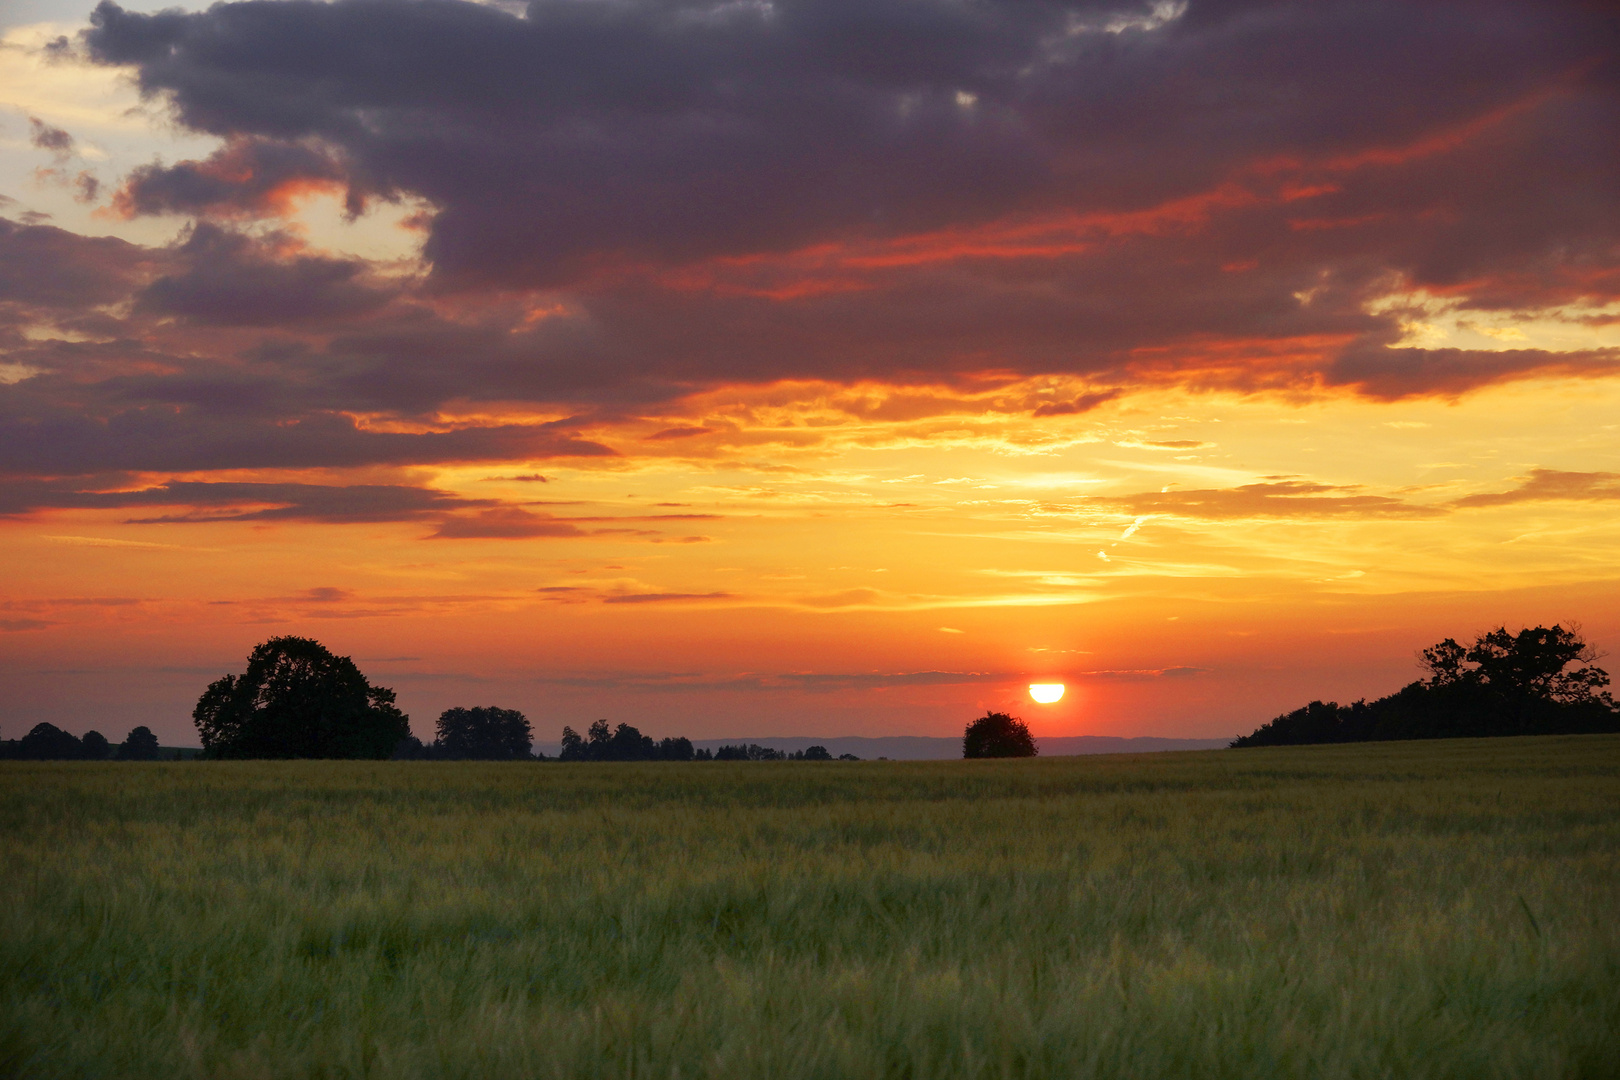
x: 17, y: 625
x: 662, y: 597
x: 46, y: 137
x: 628, y: 205
x: 677, y: 433
x: 232, y: 279
x: 47, y: 267
x: 1081, y: 404
x: 1552, y: 485
x: 506, y: 523
x: 244, y: 501
x: 1391, y: 374
x: 1283, y: 498
x: 247, y: 177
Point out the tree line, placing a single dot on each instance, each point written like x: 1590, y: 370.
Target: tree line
x: 47, y: 742
x: 1538, y: 681
x: 296, y: 699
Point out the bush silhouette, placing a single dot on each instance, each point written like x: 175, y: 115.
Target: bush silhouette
x: 484, y: 733
x: 47, y: 742
x: 139, y: 745
x: 298, y: 700
x: 95, y: 746
x: 998, y: 735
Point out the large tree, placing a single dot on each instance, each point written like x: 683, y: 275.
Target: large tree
x: 484, y: 732
x: 998, y: 735
x: 298, y: 700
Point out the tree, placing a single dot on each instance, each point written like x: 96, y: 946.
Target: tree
x: 298, y: 700
x: 749, y: 752
x: 96, y: 746
x: 139, y: 745
x: 998, y: 735
x: 1539, y: 681
x: 47, y: 742
x: 484, y: 733
x: 603, y: 743
x: 678, y: 748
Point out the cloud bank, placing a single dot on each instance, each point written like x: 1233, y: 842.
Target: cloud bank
x: 630, y: 203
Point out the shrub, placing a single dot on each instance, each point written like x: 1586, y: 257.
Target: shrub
x: 998, y: 735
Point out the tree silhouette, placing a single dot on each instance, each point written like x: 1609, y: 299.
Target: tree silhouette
x: 139, y: 745
x: 1539, y: 681
x: 96, y: 747
x: 484, y: 733
x: 47, y: 742
x: 298, y: 700
x: 998, y: 735
x: 749, y: 752
x: 603, y: 743
x: 678, y: 748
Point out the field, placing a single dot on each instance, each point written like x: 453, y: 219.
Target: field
x: 1438, y: 909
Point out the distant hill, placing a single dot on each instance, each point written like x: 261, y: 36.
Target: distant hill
x: 930, y: 748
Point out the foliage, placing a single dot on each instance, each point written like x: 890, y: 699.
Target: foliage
x: 1540, y: 681
x: 625, y: 743
x: 298, y: 700
x: 1429, y: 911
x: 139, y: 745
x: 748, y: 752
x: 47, y: 742
x: 485, y: 733
x: 998, y: 735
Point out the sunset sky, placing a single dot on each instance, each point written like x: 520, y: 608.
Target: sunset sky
x: 802, y: 367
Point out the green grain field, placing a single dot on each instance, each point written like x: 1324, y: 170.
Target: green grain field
x: 1436, y: 909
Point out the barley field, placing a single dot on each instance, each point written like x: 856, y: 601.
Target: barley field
x: 1436, y: 909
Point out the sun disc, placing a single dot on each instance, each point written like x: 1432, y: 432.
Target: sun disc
x: 1046, y: 692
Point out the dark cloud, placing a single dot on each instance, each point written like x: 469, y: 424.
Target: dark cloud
x: 628, y: 202
x: 686, y: 432
x: 1281, y: 498
x: 15, y: 625
x: 662, y: 597
x: 45, y: 137
x: 1551, y: 485
x: 232, y: 279
x: 230, y: 420
x: 244, y: 501
x: 1389, y: 373
x: 674, y: 132
x: 44, y: 266
x: 1082, y: 403
x: 506, y: 523
x: 246, y: 177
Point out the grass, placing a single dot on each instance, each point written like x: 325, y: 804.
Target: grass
x: 1441, y: 909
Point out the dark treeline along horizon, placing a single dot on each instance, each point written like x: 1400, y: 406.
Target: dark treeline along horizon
x: 298, y: 700
x: 1539, y: 681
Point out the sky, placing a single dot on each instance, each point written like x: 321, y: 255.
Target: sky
x: 802, y: 367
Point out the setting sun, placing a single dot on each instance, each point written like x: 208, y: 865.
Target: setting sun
x: 1046, y: 693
